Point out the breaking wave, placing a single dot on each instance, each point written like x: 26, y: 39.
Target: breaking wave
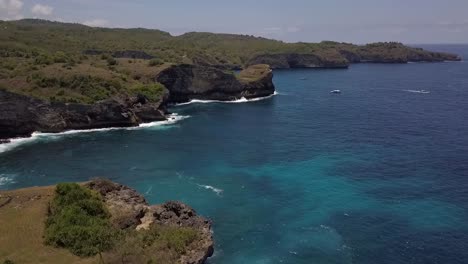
x: 238, y: 101
x: 6, y: 179
x: 215, y: 190
x: 15, y: 142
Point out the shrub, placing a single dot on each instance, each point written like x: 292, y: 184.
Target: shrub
x: 151, y: 91
x: 79, y: 221
x: 163, y: 244
x: 111, y: 61
x: 8, y: 262
x: 43, y: 59
x: 155, y: 62
x: 60, y: 57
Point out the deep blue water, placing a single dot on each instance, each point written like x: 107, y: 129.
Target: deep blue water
x: 377, y: 174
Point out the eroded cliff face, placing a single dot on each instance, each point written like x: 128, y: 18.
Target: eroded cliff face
x: 129, y: 209
x: 342, y: 57
x: 186, y: 82
x: 295, y: 60
x: 22, y: 115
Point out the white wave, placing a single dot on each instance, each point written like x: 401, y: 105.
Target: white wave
x: 15, y: 142
x: 148, y: 192
x: 6, y: 179
x: 208, y: 187
x: 238, y: 101
x: 417, y: 91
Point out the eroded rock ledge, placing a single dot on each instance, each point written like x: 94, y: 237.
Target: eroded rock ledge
x: 129, y: 209
x: 22, y: 115
x: 186, y: 82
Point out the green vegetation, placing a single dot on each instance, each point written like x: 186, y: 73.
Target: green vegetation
x: 78, y: 220
x: 33, y: 52
x: 254, y: 73
x: 160, y: 244
x: 150, y: 91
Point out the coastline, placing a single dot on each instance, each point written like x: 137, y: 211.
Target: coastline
x: 12, y: 143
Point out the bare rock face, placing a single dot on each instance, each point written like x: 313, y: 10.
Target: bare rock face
x: 178, y: 214
x: 126, y: 205
x: 129, y: 209
x: 22, y: 115
x: 186, y: 82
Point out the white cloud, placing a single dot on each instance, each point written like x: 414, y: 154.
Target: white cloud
x: 96, y: 23
x: 42, y: 10
x: 11, y: 9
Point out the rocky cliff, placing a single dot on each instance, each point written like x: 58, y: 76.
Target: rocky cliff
x: 296, y: 60
x: 129, y: 209
x: 186, y: 82
x: 22, y: 115
x: 339, y: 55
x: 24, y: 212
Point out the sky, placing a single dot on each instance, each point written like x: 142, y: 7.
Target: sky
x: 356, y: 21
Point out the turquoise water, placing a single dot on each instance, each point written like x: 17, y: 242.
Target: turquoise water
x: 377, y: 174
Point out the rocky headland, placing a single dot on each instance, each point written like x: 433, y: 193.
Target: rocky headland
x: 343, y: 55
x: 188, y: 82
x: 21, y: 115
x: 129, y: 212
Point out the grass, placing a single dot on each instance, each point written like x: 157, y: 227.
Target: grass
x: 78, y: 220
x: 160, y: 244
x: 254, y: 73
x: 25, y: 214
x: 22, y: 229
x: 47, y: 59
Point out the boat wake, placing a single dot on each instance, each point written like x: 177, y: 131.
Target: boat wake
x: 38, y: 136
x: 417, y: 91
x: 215, y: 190
x: 238, y: 101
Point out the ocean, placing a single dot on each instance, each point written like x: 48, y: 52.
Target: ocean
x: 376, y: 174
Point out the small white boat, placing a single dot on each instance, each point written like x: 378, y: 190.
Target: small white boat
x: 336, y: 92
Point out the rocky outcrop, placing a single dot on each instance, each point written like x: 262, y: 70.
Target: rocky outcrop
x: 22, y: 115
x: 296, y: 60
x: 393, y: 52
x: 186, y: 82
x: 129, y: 209
x: 339, y: 55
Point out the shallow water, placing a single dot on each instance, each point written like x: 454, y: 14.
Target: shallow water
x: 376, y: 174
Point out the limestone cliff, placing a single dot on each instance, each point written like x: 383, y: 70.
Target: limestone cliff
x: 129, y: 209
x: 22, y: 115
x: 186, y: 82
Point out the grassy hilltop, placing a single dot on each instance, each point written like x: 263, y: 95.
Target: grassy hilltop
x: 75, y: 63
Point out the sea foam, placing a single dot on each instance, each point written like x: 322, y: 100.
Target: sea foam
x: 6, y: 179
x: 417, y: 91
x: 36, y: 136
x: 238, y: 101
x: 215, y: 190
